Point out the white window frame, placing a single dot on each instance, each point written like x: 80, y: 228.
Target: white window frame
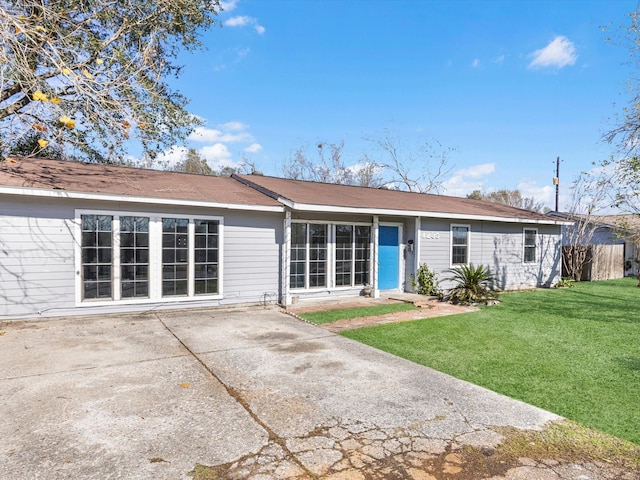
x: 155, y: 258
x: 330, y: 265
x: 451, y: 227
x: 524, y: 246
x: 353, y: 253
x: 328, y: 262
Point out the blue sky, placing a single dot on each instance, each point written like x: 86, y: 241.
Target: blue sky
x: 510, y: 85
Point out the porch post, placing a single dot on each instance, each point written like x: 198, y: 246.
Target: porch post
x: 374, y: 258
x: 286, y: 260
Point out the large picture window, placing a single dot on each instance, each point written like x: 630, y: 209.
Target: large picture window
x: 126, y: 257
x: 459, y: 244
x: 530, y: 238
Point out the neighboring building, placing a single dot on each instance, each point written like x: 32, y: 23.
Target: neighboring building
x: 604, y: 230
x: 81, y: 238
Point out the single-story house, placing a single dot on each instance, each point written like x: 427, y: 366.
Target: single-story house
x: 81, y: 238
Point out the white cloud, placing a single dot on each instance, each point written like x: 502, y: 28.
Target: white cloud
x: 559, y: 53
x: 228, y: 5
x: 253, y: 148
x: 233, y: 126
x: 168, y: 159
x: 466, y: 180
x: 212, y: 135
x: 475, y: 63
x: 217, y: 154
x: 244, y: 21
x: 545, y: 194
x: 239, y: 21
x: 478, y: 171
x: 499, y: 59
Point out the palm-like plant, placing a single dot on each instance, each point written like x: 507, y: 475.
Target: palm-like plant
x: 473, y: 284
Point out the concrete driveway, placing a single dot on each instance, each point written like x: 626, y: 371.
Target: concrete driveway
x: 247, y: 393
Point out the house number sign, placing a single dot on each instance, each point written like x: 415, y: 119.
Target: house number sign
x: 431, y: 235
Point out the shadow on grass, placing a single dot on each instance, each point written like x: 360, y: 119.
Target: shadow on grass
x: 631, y: 363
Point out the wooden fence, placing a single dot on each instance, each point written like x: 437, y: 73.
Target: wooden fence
x: 603, y: 262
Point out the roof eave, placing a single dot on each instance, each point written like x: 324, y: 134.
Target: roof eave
x: 305, y: 207
x: 50, y: 193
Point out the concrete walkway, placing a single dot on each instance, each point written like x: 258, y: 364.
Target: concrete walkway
x: 245, y: 394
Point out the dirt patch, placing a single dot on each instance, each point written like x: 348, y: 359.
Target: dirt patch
x: 427, y: 308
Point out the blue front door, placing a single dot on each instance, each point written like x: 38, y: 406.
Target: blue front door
x: 388, y: 257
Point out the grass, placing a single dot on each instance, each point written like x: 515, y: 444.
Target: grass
x: 328, y: 316
x: 575, y: 352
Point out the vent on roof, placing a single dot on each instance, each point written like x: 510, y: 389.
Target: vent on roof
x: 257, y: 172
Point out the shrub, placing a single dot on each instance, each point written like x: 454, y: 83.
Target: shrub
x: 427, y: 281
x: 565, y: 282
x: 473, y: 284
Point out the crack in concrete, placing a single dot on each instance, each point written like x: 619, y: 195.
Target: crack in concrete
x: 237, y: 396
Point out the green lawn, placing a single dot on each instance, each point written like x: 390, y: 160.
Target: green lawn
x: 575, y: 352
x: 328, y: 316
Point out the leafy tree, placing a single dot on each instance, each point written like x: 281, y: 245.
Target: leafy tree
x: 512, y: 198
x: 91, y: 75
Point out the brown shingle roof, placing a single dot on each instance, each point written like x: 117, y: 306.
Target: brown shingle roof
x: 304, y: 193
x: 129, y: 182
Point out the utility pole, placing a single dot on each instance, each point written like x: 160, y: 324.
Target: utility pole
x: 556, y: 182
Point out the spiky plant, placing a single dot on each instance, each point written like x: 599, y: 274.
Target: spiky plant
x: 472, y: 284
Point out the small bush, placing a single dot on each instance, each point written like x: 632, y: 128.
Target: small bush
x: 427, y: 281
x: 473, y: 284
x: 566, y: 282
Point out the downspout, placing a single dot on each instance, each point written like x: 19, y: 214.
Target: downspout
x: 374, y: 279
x: 286, y: 259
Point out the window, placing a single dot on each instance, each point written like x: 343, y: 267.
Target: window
x: 459, y: 244
x: 175, y: 256
x: 96, y: 256
x: 130, y: 257
x: 344, y: 255
x: 309, y: 265
x: 206, y: 257
x: 317, y: 255
x: 298, y: 264
x: 530, y: 237
x: 134, y: 257
x: 362, y: 255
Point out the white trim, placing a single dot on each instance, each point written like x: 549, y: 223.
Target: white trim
x: 305, y: 207
x: 286, y: 259
x: 468, y: 259
x: 37, y: 192
x: 155, y: 259
x: 375, y: 257
x: 524, y: 237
